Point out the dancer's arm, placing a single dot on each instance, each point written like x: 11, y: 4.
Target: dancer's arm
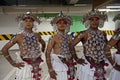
x: 48, y: 58
x: 76, y: 40
x: 42, y: 43
x: 109, y: 45
x: 5, y: 52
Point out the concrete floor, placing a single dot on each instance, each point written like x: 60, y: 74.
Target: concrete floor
x: 7, y: 72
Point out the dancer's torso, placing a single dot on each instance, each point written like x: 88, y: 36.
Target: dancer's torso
x: 29, y: 45
x: 94, y: 45
x: 61, y: 45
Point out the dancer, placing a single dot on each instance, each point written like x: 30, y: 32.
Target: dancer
x: 58, y: 54
x: 114, y: 42
x: 93, y: 41
x: 29, y: 57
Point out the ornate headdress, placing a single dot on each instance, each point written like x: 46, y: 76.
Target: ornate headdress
x: 60, y: 17
x: 29, y: 15
x: 95, y: 13
x: 116, y: 19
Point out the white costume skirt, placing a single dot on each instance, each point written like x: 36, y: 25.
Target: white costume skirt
x: 114, y: 74
x: 59, y: 67
x: 25, y: 72
x: 84, y: 72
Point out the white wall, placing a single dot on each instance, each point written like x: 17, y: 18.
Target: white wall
x: 8, y: 25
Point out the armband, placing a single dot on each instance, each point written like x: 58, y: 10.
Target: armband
x: 13, y: 37
x: 13, y: 62
x: 109, y: 56
x: 80, y: 34
x: 116, y: 36
x: 50, y: 70
x: 48, y: 59
x: 108, y: 52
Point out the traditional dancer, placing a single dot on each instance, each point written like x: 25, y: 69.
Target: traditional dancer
x: 58, y: 55
x: 114, y: 41
x: 29, y: 57
x: 93, y: 41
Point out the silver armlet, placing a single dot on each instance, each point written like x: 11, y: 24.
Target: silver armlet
x: 48, y: 59
x: 116, y: 36
x: 109, y: 56
x: 50, y: 70
x: 80, y: 34
x: 108, y: 52
x: 11, y: 40
x: 78, y: 59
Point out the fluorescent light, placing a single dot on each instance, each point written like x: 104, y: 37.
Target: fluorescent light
x: 108, y: 10
x: 113, y: 7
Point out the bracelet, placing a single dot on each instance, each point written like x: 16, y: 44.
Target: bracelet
x: 7, y: 56
x: 109, y: 46
x: 13, y: 62
x: 50, y: 70
x: 48, y: 59
x: 108, y: 52
x: 77, y: 59
x: 109, y: 56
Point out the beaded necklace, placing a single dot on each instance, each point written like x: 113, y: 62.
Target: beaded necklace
x: 64, y: 43
x: 30, y: 45
x: 95, y: 52
x: 95, y: 44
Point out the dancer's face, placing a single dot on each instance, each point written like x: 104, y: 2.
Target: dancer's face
x: 61, y: 25
x: 28, y: 23
x: 94, y: 22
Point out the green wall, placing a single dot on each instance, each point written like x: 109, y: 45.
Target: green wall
x: 77, y: 24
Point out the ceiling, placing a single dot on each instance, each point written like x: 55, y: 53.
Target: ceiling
x: 42, y: 2
x: 49, y: 2
x: 37, y: 6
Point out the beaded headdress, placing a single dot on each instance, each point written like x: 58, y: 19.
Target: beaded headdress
x: 28, y: 15
x: 60, y: 17
x: 95, y: 13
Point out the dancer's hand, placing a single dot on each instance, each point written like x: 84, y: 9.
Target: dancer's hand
x: 117, y: 67
x: 18, y: 65
x: 81, y: 61
x: 53, y: 74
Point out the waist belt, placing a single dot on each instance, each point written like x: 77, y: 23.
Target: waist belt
x: 93, y: 62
